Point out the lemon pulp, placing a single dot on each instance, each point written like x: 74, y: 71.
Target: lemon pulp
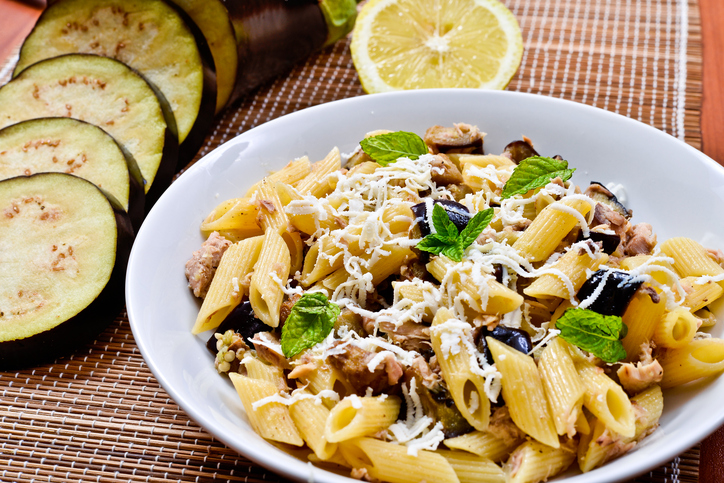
x: 419, y: 44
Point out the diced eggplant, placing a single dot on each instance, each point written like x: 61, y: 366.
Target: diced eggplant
x: 615, y: 294
x: 461, y: 138
x: 104, y: 92
x: 212, y: 18
x: 64, y: 257
x: 242, y: 321
x: 609, y: 241
x: 601, y: 194
x: 438, y: 404
x: 518, y: 339
x: 519, y: 150
x: 66, y: 145
x: 151, y: 37
x: 458, y: 214
x: 274, y: 35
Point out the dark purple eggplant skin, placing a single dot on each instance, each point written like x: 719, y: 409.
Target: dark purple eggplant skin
x: 459, y: 220
x: 82, y: 328
x: 272, y: 36
x: 207, y: 108
x: 609, y: 242
x: 616, y: 294
x: 519, y: 150
x: 242, y: 321
x: 518, y: 339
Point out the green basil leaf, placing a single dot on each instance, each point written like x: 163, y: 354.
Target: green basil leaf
x: 310, y: 321
x: 598, y: 334
x: 476, y: 226
x: 388, y: 148
x: 535, y: 172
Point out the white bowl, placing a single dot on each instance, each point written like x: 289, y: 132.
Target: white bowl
x: 674, y: 187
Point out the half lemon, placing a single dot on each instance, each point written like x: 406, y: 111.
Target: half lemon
x: 422, y: 44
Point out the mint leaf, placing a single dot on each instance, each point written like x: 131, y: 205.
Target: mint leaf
x: 310, y: 321
x: 448, y: 241
x: 442, y: 223
x: 388, y: 148
x: 433, y: 244
x: 598, y: 334
x: 535, y: 172
x: 476, y: 226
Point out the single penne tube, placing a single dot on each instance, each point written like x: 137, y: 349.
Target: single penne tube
x: 562, y: 385
x: 466, y: 387
x: 326, y: 256
x: 523, y: 393
x: 548, y: 229
x: 327, y: 378
x: 699, y: 295
x: 698, y: 359
x: 310, y: 418
x: 416, y: 294
x: 642, y: 316
x: 533, y: 461
x: 271, y: 420
x: 471, y: 468
x: 265, y: 293
x: 382, y: 268
x: 391, y: 462
x: 493, y: 297
x: 485, y: 444
x: 227, y: 288
x: 592, y: 452
x: 399, y: 218
x: 271, y: 211
x: 305, y: 218
x: 483, y: 160
x: 261, y: 371
x: 234, y: 219
x: 661, y: 276
x: 690, y: 258
x: 572, y: 267
x: 290, y: 174
x: 676, y: 329
x: 315, y: 183
x: 360, y: 416
x: 606, y: 399
x: 706, y: 318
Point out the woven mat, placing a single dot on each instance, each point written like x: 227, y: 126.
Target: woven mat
x: 100, y: 415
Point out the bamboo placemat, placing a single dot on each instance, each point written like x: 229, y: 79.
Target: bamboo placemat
x: 100, y: 415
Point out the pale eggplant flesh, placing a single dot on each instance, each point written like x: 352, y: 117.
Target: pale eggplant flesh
x: 151, y: 36
x: 65, y: 252
x: 104, y: 92
x: 65, y: 145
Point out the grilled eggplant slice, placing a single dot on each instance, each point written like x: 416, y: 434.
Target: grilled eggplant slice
x: 617, y: 291
x: 64, y: 145
x: 151, y: 37
x: 64, y: 254
x: 104, y: 92
x: 213, y: 20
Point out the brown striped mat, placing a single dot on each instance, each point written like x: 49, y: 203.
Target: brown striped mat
x: 101, y: 416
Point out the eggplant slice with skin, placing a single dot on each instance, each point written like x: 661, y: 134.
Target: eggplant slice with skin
x: 104, y: 92
x: 150, y: 36
x: 63, y: 145
x: 64, y: 256
x: 615, y: 294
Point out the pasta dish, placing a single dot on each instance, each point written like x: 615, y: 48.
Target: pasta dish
x: 418, y: 310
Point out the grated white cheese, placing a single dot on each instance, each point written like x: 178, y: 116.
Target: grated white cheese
x: 414, y: 431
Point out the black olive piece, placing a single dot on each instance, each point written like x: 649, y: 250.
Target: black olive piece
x: 519, y: 150
x: 620, y: 287
x: 240, y: 320
x: 609, y: 241
x: 458, y: 214
x: 498, y: 273
x: 518, y: 339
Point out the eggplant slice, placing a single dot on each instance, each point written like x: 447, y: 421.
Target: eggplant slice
x: 64, y: 254
x: 150, y: 36
x: 63, y: 145
x: 212, y: 18
x: 104, y: 92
